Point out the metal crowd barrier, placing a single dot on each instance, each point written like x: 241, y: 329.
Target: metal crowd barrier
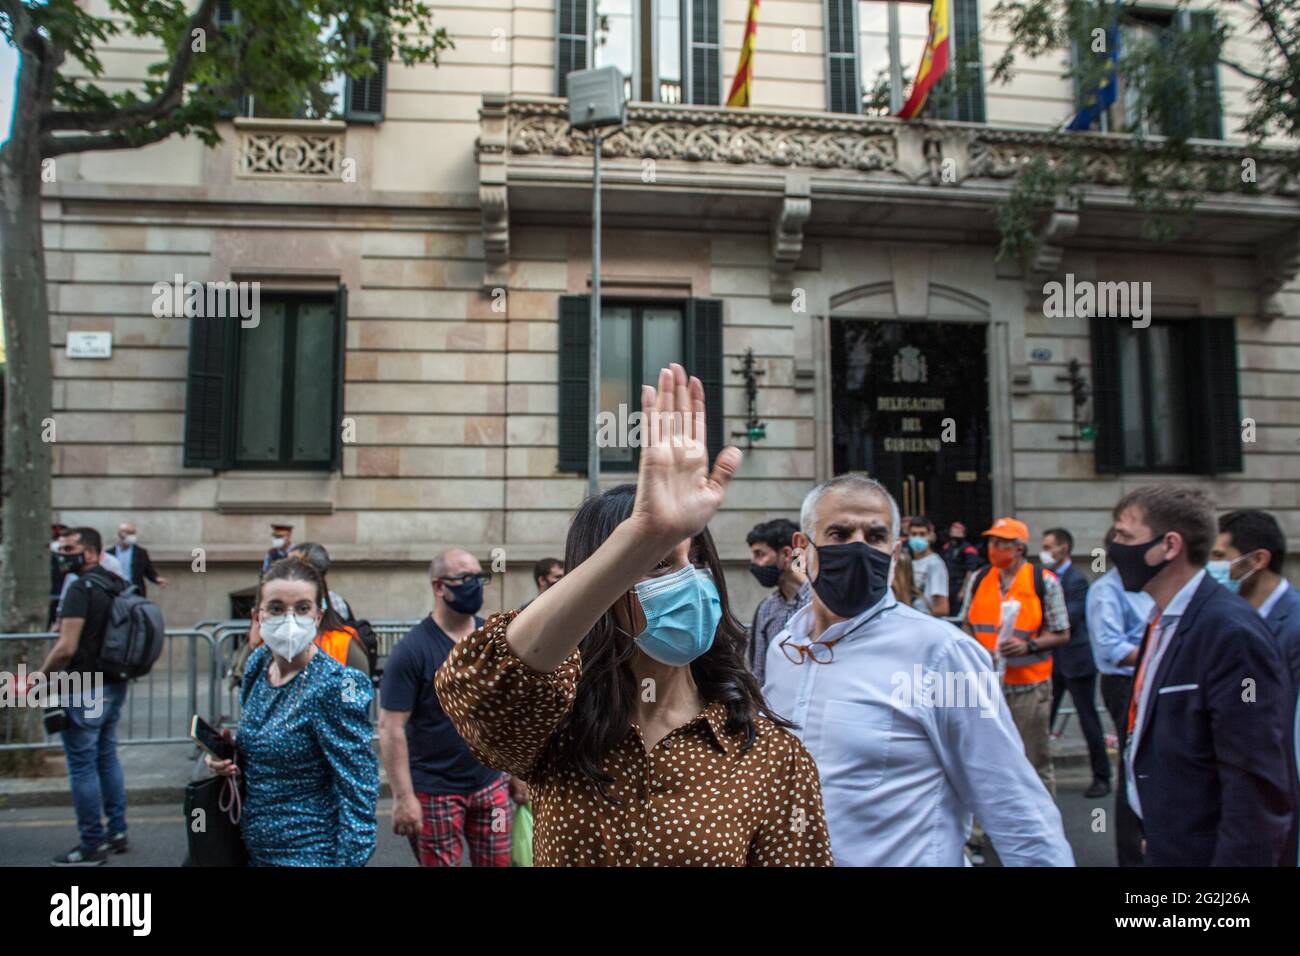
x: 192, y: 676
x: 158, y: 706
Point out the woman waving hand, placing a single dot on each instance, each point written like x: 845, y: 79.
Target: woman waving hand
x: 620, y: 694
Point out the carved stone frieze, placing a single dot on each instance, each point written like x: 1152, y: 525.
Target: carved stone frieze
x: 711, y: 136
x: 1103, y: 161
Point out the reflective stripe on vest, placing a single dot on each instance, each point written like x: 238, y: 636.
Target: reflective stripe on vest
x: 985, y: 618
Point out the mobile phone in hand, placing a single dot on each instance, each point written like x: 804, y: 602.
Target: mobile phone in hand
x: 210, y: 739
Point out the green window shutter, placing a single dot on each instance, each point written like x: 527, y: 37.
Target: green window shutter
x: 340, y: 350
x: 575, y: 343
x: 1208, y: 113
x: 1216, y: 441
x: 1108, y: 448
x: 704, y: 54
x: 207, y: 392
x: 843, y: 86
x: 572, y: 32
x: 363, y: 99
x: 704, y: 361
x: 964, y: 50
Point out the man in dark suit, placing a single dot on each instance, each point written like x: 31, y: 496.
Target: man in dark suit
x: 1207, y: 767
x: 1247, y: 558
x: 135, y: 560
x: 1073, y: 668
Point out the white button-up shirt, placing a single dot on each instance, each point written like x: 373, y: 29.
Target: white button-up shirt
x: 1162, y: 638
x: 911, y: 736
x: 1274, y: 596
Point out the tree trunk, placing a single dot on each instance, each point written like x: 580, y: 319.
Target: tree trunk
x: 25, y: 474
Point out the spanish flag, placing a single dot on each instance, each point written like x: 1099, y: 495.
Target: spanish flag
x: 739, y: 95
x: 933, y: 64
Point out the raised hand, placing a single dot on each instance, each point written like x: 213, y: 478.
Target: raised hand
x: 676, y: 493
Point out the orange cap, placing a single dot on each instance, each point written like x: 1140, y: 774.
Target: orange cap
x: 1010, y: 529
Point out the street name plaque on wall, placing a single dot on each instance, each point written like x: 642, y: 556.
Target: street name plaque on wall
x: 90, y: 345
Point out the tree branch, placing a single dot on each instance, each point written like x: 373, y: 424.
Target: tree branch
x: 95, y: 142
x: 140, y: 114
x: 1269, y: 16
x: 1257, y: 77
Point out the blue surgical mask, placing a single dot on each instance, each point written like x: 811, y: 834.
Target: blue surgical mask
x: 918, y: 544
x: 682, y: 611
x: 1221, y: 571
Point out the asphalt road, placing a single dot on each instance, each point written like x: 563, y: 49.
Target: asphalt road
x: 30, y: 837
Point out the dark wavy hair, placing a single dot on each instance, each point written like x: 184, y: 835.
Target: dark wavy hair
x: 292, y: 568
x: 317, y: 557
x: 608, y: 690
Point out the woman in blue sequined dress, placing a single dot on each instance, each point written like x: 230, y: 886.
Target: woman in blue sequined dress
x: 312, y: 778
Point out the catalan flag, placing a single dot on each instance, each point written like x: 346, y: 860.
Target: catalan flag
x: 740, y: 86
x: 934, y: 63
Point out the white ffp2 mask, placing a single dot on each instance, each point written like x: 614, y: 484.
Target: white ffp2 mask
x: 288, y: 635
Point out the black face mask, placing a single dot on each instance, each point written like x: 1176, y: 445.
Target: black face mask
x: 71, y: 562
x: 767, y: 574
x: 1129, y: 561
x: 465, y: 598
x: 851, y: 577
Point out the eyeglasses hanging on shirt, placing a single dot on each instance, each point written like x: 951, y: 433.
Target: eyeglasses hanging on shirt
x: 820, y: 652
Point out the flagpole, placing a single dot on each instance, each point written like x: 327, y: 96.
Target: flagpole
x: 895, y: 62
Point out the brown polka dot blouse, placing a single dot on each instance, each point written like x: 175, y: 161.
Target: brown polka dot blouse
x: 695, y: 800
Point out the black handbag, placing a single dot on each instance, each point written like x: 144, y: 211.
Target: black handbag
x: 214, y: 837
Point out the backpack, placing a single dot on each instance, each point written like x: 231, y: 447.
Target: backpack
x: 369, y: 642
x: 133, y: 634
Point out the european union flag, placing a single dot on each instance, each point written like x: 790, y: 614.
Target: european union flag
x: 1100, y: 98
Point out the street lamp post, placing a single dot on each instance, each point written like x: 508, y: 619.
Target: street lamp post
x: 595, y: 101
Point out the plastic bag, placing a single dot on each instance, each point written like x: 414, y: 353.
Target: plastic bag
x: 521, y: 836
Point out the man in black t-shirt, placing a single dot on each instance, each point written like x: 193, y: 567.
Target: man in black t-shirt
x: 441, y: 793
x: 90, y: 737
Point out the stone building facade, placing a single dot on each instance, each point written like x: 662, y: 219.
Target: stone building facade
x: 422, y: 268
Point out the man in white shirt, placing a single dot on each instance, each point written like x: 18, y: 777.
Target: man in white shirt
x: 872, y: 684
x: 929, y: 572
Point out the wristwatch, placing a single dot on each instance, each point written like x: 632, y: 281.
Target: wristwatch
x: 1032, y: 645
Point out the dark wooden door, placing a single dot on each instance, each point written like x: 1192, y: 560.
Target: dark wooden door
x: 910, y: 408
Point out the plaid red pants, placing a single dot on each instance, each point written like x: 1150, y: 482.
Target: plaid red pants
x: 481, y: 818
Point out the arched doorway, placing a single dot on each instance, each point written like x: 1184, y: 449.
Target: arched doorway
x: 909, y: 400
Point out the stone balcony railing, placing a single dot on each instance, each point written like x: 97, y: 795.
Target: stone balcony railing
x: 793, y: 156
x: 289, y: 149
x: 527, y: 127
